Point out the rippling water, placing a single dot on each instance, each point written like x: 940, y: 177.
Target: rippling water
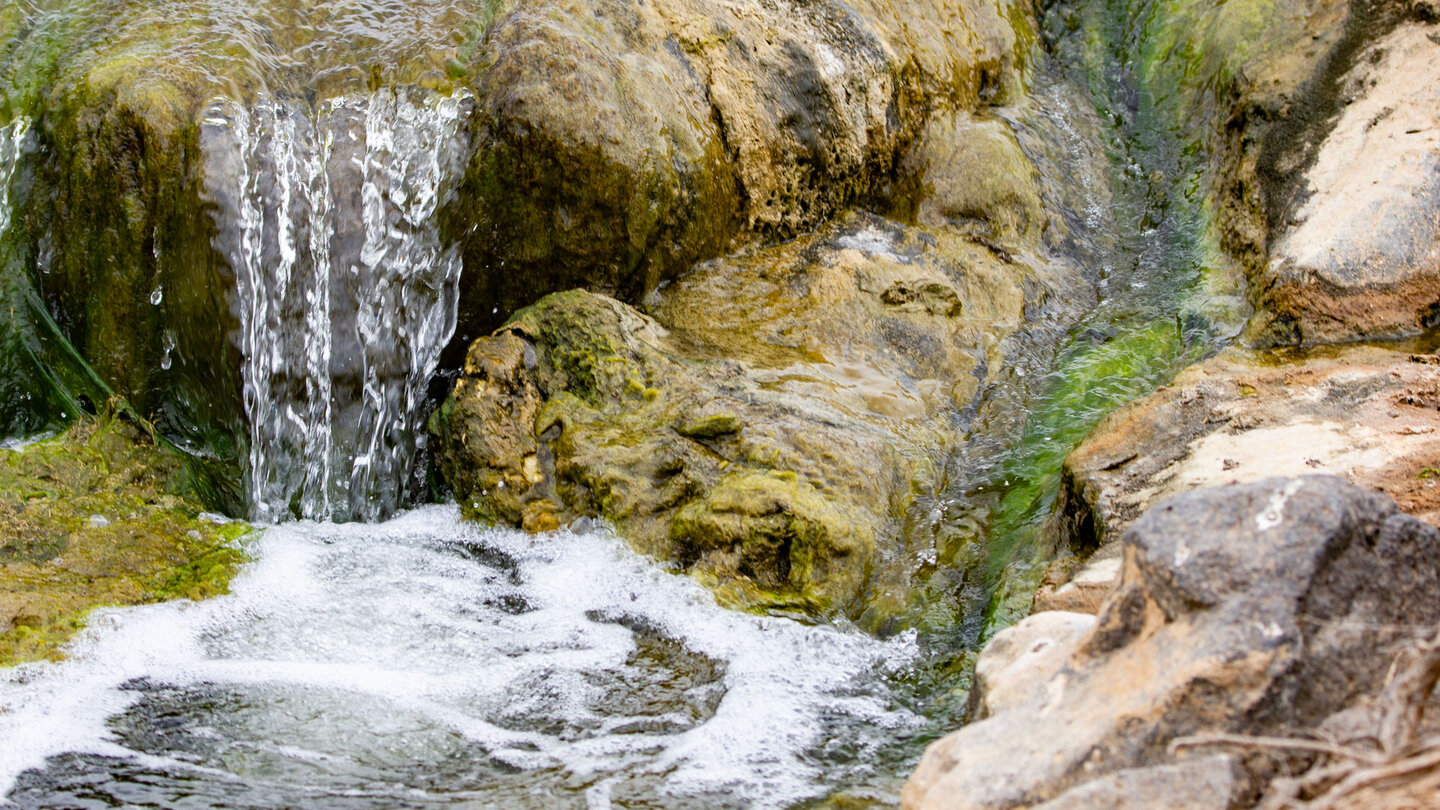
x: 245, y: 50
x: 422, y: 662
x: 12, y: 138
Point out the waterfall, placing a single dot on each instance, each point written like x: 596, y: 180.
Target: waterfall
x: 12, y: 141
x: 346, y: 293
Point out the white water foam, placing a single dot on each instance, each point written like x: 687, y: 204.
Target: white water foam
x: 427, y: 660
x: 345, y: 292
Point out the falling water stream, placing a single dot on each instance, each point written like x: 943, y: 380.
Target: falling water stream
x: 12, y: 138
x: 346, y: 295
x: 413, y: 660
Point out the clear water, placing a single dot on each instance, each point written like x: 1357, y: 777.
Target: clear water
x: 249, y: 50
x: 345, y: 292
x: 423, y: 662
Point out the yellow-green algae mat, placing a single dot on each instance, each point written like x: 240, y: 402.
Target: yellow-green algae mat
x: 90, y: 518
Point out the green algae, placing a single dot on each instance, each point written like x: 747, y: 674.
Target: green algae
x: 90, y: 519
x: 1092, y: 379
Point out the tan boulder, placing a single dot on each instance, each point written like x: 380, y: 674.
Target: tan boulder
x: 1358, y: 251
x: 1236, y: 613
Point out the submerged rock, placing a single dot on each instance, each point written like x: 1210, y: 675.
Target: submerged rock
x: 92, y: 518
x: 1237, y: 612
x: 767, y: 428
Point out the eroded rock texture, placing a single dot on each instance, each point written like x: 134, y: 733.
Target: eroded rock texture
x: 766, y: 428
x: 1237, y: 611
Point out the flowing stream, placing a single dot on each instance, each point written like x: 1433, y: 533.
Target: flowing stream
x: 423, y: 662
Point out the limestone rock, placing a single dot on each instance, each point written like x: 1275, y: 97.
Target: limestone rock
x: 971, y: 172
x: 1236, y: 613
x: 1358, y: 252
x: 1369, y: 414
x: 623, y: 141
x: 766, y: 428
x: 1023, y: 658
x: 1079, y: 588
x: 1212, y: 783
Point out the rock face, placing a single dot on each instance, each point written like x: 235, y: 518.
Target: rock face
x: 1357, y: 250
x: 624, y: 141
x: 765, y: 429
x: 1236, y: 612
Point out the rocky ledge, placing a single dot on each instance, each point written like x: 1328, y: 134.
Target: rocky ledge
x: 1366, y: 413
x: 767, y: 428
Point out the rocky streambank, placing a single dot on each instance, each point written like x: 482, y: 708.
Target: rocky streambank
x: 1095, y: 700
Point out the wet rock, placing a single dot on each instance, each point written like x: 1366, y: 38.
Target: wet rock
x: 971, y: 172
x: 614, y: 144
x: 96, y: 517
x: 1357, y: 253
x: 766, y: 428
x: 1237, y: 612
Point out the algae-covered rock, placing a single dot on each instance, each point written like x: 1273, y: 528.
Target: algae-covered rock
x: 769, y: 426
x: 90, y: 518
x: 624, y: 141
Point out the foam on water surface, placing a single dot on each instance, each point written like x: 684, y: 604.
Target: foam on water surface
x: 423, y: 662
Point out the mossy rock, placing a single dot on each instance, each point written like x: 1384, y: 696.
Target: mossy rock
x: 90, y: 519
x: 767, y: 430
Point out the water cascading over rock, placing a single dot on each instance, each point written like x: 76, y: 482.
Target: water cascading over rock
x: 12, y: 137
x: 345, y: 291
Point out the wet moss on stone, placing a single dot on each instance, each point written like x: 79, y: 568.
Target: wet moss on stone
x: 90, y: 518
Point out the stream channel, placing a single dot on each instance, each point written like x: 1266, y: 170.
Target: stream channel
x: 418, y: 661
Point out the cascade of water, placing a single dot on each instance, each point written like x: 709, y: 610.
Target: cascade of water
x: 346, y: 293
x: 12, y: 141
x: 427, y: 663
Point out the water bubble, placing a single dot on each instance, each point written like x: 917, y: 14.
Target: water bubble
x: 157, y: 296
x: 98, y: 521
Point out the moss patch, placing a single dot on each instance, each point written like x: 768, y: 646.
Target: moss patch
x: 89, y: 519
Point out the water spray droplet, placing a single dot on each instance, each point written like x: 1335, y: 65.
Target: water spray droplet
x: 169, y: 346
